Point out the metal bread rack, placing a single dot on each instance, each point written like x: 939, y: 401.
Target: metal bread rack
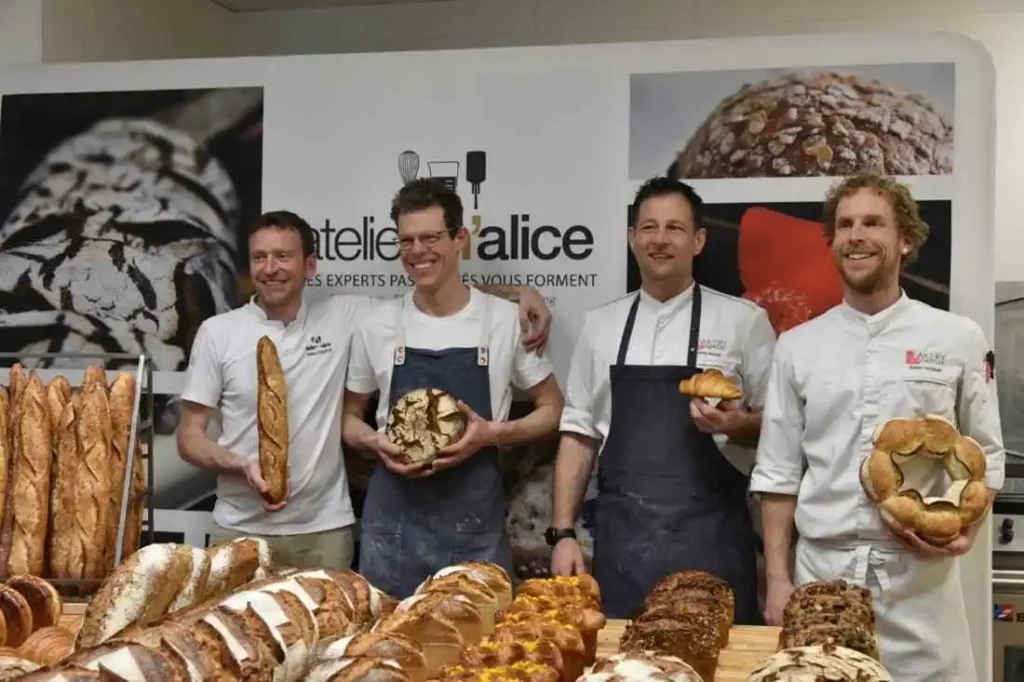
x: 142, y: 427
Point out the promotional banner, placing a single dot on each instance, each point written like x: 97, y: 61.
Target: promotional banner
x: 126, y: 189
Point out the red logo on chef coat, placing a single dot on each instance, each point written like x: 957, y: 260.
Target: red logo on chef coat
x: 917, y: 358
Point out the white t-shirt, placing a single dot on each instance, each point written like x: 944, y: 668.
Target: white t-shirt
x: 314, y: 352
x: 735, y: 337
x: 509, y: 364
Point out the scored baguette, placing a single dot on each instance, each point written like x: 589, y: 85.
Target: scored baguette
x: 94, y: 483
x: 63, y: 509
x: 272, y: 418
x: 30, y: 499
x: 121, y: 406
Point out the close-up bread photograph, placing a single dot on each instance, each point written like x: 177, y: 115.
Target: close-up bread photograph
x: 895, y: 119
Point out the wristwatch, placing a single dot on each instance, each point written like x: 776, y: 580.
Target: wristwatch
x: 555, y: 535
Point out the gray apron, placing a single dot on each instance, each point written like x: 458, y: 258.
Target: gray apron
x: 668, y: 499
x: 412, y: 528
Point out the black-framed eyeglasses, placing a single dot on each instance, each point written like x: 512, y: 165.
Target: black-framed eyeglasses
x: 430, y: 239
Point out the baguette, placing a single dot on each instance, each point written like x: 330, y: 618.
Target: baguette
x: 30, y: 499
x: 63, y: 528
x: 10, y: 441
x: 272, y: 418
x: 18, y: 381
x: 121, y: 406
x: 5, y: 449
x: 93, y: 495
x: 94, y: 376
x: 137, y: 502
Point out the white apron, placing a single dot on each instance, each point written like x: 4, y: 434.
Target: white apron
x: 919, y: 605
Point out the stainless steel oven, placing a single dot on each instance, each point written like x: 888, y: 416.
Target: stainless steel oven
x: 1008, y: 576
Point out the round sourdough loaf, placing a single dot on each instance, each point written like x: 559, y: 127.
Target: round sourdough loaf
x: 424, y: 421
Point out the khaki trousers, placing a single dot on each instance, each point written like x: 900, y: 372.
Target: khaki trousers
x: 331, y: 549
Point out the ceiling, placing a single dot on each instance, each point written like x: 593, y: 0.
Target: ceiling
x: 268, y: 5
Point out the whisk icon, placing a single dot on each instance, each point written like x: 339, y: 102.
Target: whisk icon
x: 408, y: 165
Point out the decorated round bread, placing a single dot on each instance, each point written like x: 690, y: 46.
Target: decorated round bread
x: 423, y: 422
x: 909, y: 457
x: 819, y: 664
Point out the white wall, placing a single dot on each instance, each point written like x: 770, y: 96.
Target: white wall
x: 21, y: 32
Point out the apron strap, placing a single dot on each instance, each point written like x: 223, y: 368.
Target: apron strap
x: 693, y: 342
x: 691, y: 352
x: 400, y: 333
x: 628, y: 331
x: 482, y: 354
x: 482, y: 351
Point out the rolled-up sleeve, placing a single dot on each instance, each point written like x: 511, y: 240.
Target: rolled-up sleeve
x: 978, y: 409
x: 578, y: 413
x: 360, y: 377
x: 780, y: 461
x: 758, y: 349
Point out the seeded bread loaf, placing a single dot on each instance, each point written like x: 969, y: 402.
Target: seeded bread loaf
x: 818, y: 123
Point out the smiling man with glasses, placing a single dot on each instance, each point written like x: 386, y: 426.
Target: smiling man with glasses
x: 448, y: 336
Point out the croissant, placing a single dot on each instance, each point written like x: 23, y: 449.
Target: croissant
x: 710, y: 383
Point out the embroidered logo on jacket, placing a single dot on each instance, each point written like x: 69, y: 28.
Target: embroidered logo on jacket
x: 924, y: 360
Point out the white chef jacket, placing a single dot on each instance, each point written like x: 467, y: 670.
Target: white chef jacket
x: 509, y: 364
x: 735, y: 337
x: 314, y: 353
x: 836, y: 378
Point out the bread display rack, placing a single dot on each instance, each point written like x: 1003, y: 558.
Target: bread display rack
x: 140, y: 444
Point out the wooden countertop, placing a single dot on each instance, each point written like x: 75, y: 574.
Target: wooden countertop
x: 748, y: 645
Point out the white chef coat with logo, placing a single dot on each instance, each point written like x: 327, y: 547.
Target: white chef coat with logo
x: 509, y: 364
x: 834, y: 380
x: 314, y: 353
x: 735, y: 337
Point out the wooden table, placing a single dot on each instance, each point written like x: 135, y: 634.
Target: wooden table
x: 748, y: 646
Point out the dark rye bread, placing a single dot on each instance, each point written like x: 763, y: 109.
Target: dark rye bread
x: 688, y: 607
x: 830, y: 613
x: 847, y: 636
x: 694, y: 640
x: 678, y: 585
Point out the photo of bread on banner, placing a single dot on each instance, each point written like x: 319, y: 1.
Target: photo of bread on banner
x: 272, y: 420
x: 911, y: 458
x: 423, y: 422
x: 711, y: 385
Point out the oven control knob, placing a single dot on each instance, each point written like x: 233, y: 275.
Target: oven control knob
x: 1006, y: 532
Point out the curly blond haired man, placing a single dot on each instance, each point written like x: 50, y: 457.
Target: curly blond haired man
x: 876, y: 356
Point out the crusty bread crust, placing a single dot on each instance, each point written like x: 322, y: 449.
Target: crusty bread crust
x: 272, y: 419
x: 30, y: 497
x: 94, y: 483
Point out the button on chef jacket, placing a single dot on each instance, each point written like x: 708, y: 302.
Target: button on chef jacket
x: 735, y: 337
x: 837, y: 377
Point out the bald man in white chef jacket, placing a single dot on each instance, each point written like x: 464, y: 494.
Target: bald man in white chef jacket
x: 878, y: 355
x: 672, y: 471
